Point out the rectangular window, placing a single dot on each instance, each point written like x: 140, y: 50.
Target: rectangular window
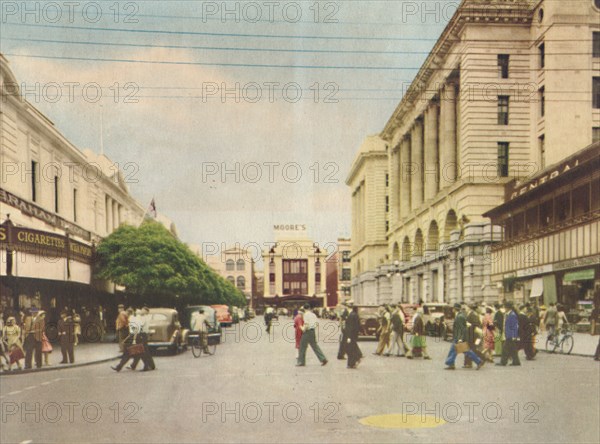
x: 596, y: 44
x: 503, y: 159
x: 542, y: 95
x: 503, y: 110
x: 546, y: 213
x: 562, y: 207
x: 346, y: 274
x: 542, y: 151
x: 387, y: 180
x: 34, y: 168
x: 581, y: 200
x: 387, y: 226
x: 56, y: 194
x: 387, y: 204
x: 75, y: 205
x: 596, y: 134
x: 503, y: 65
x: 542, y: 50
x: 596, y: 93
x: 531, y: 219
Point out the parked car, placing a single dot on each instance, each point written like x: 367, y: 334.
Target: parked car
x: 223, y: 315
x: 235, y: 317
x: 166, y: 331
x: 434, y: 317
x: 214, y: 329
x: 369, y: 321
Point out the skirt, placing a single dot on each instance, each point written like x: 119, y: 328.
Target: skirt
x: 46, y: 346
x: 418, y: 341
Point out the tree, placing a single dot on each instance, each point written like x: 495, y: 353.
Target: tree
x: 151, y: 263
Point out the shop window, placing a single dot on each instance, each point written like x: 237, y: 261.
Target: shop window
x: 595, y: 198
x: 547, y: 213
x: 531, y: 219
x: 581, y: 200
x: 562, y: 207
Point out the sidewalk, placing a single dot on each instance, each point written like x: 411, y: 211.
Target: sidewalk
x: 85, y: 354
x: 585, y: 344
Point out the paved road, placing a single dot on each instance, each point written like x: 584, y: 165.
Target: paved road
x: 250, y: 391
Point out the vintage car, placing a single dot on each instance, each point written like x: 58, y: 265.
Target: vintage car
x: 369, y: 321
x: 165, y: 330
x: 214, y: 329
x: 435, y: 315
x: 223, y: 315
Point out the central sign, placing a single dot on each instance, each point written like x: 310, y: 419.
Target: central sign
x: 290, y: 227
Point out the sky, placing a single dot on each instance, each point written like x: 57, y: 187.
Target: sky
x: 233, y: 116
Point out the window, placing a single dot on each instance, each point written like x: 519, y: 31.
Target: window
x: 596, y: 93
x: 595, y: 199
x: 74, y: 204
x: 546, y: 213
x: 56, y: 194
x: 345, y: 256
x: 387, y: 226
x: 596, y: 134
x: 387, y: 180
x: 531, y: 219
x: 231, y: 279
x: 542, y: 151
x: 346, y: 274
x: 597, y: 3
x: 542, y: 95
x: 542, y: 50
x: 241, y: 282
x: 518, y: 225
x: 596, y: 44
x: 503, y: 110
x: 229, y: 265
x: 240, y: 265
x: 387, y: 204
x: 34, y: 167
x: 581, y: 200
x: 503, y: 65
x: 562, y: 207
x: 503, y: 159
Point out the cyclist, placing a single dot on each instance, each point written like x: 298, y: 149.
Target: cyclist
x: 550, y: 320
x: 200, y: 324
x: 563, y: 323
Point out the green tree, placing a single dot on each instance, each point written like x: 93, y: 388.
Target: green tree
x: 151, y: 263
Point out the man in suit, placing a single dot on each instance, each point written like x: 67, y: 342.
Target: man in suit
x: 473, y: 323
x: 526, y: 334
x: 34, y: 331
x: 511, y: 332
x: 343, y: 335
x: 66, y: 336
x: 459, y: 335
x: 397, y: 336
x: 351, y: 331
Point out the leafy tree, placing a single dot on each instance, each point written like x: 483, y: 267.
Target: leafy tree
x: 151, y: 263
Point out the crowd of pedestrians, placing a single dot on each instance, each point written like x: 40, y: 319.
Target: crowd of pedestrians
x: 132, y: 329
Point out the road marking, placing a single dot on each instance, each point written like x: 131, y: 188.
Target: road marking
x: 402, y: 421
x: 14, y: 393
x: 46, y: 383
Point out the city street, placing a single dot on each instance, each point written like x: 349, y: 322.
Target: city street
x: 251, y: 391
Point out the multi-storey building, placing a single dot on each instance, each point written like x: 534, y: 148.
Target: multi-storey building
x: 237, y: 266
x: 508, y: 88
x: 344, y: 269
x: 56, y: 203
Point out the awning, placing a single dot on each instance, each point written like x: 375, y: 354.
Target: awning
x: 549, y: 289
x: 580, y: 275
x: 537, y: 288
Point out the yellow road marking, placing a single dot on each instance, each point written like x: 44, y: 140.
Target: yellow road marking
x: 402, y: 421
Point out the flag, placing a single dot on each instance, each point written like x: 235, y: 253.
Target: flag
x: 152, y: 209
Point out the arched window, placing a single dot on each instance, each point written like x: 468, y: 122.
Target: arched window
x: 230, y: 265
x: 241, y: 282
x: 418, y: 244
x: 450, y: 225
x: 396, y: 252
x: 406, y: 253
x: 240, y: 265
x: 433, y: 236
x: 231, y: 279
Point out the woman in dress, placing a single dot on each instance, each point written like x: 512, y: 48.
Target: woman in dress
x: 488, y: 335
x: 298, y: 323
x: 46, y: 346
x: 12, y: 336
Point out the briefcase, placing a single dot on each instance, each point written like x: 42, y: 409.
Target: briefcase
x: 135, y: 350
x: 461, y: 347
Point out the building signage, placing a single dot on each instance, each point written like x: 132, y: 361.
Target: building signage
x: 44, y: 244
x: 50, y: 218
x: 519, y: 191
x: 579, y: 262
x: 290, y: 227
x: 532, y: 271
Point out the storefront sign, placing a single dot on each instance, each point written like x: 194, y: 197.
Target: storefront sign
x: 576, y: 263
x: 561, y: 169
x: 39, y: 213
x: 532, y: 271
x: 290, y: 227
x: 44, y: 244
x: 580, y: 275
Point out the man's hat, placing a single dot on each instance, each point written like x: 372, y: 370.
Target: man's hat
x: 350, y: 303
x: 120, y: 305
x: 457, y: 306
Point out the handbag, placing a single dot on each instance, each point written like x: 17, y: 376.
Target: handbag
x: 135, y: 350
x: 461, y: 347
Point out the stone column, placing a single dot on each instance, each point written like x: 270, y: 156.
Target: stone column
x: 416, y: 171
x: 394, y: 185
x: 109, y: 215
x: 404, y: 177
x: 447, y: 141
x: 115, y: 213
x: 431, y: 169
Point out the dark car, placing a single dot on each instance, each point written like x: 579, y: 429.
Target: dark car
x: 214, y: 329
x: 165, y: 330
x: 369, y: 321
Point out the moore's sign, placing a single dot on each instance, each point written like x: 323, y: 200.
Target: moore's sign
x: 290, y: 227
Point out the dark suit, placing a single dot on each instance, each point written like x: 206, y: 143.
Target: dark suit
x: 34, y: 331
x: 66, y: 334
x: 526, y: 336
x: 352, y: 329
x: 344, y: 336
x: 473, y: 319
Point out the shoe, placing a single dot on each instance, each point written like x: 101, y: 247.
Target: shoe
x: 62, y: 362
x: 386, y: 354
x: 427, y: 358
x: 300, y: 365
x: 481, y: 364
x: 450, y: 367
x: 129, y: 367
x: 499, y: 363
x: 324, y: 362
x: 146, y: 369
x: 117, y: 369
x: 352, y: 367
x: 341, y: 359
x: 409, y: 357
x: 516, y: 365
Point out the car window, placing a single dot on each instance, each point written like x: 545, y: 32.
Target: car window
x: 158, y: 317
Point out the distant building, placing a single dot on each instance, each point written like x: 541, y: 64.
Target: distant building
x: 237, y: 266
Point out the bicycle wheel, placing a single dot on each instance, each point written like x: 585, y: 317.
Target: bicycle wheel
x: 550, y: 345
x: 566, y: 346
x: 212, y: 349
x: 196, y: 348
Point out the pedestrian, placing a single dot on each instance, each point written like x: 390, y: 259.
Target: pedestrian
x: 269, y: 313
x: 511, y: 333
x: 473, y: 334
x: 352, y: 329
x: 298, y: 324
x: 384, y: 330
x: 66, y: 336
x: 132, y: 347
x: 309, y: 338
x: 397, y: 332
x: 122, y: 325
x: 562, y: 317
x: 11, y: 334
x: 200, y: 324
x: 46, y: 346
x: 459, y: 341
x: 343, y: 337
x: 489, y: 335
x: 498, y: 329
x: 33, y: 331
x: 525, y: 333
x: 550, y: 320
x: 77, y: 323
x: 146, y: 356
x: 418, y: 341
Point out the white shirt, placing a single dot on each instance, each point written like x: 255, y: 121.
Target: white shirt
x: 199, y: 322
x: 134, y: 324
x: 310, y: 320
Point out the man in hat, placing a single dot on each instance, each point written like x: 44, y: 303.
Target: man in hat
x: 122, y: 326
x: 459, y: 335
x: 66, y: 336
x: 474, y: 326
x: 309, y: 338
x: 397, y: 336
x: 352, y: 329
x: 511, y: 332
x: 343, y: 334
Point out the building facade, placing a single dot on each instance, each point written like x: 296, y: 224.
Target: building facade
x: 344, y: 268
x: 237, y: 266
x: 56, y: 203
x: 508, y: 88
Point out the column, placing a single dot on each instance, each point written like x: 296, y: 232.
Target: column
x: 448, y: 148
x: 109, y: 215
x: 416, y: 151
x: 431, y: 152
x: 394, y: 185
x: 115, y: 212
x: 404, y: 177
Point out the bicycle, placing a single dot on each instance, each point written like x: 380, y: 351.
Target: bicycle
x: 197, y: 348
x: 563, y: 340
